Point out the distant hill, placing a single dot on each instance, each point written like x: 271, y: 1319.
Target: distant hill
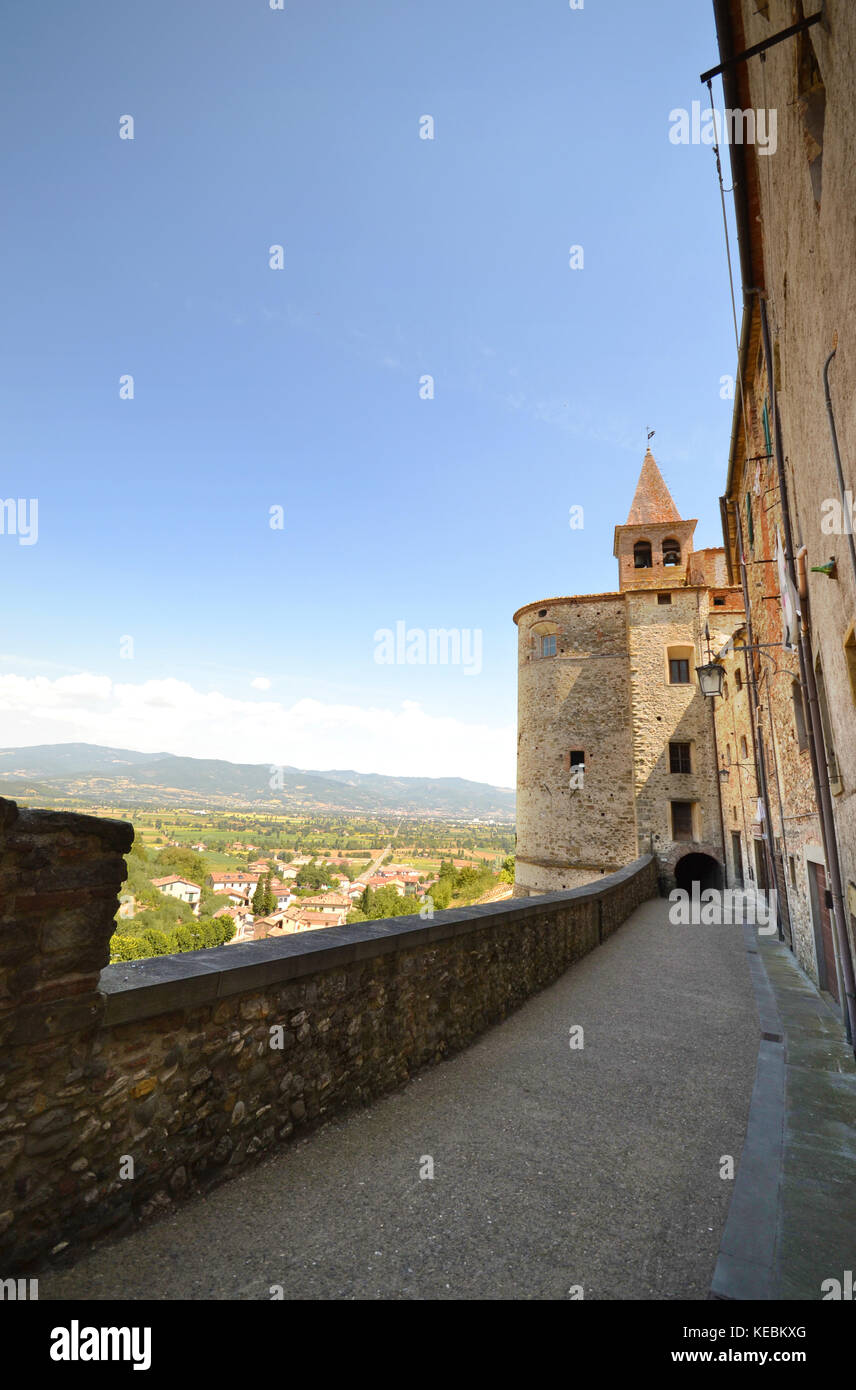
x: 53, y: 774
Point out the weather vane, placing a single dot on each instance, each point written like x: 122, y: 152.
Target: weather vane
x: 651, y: 433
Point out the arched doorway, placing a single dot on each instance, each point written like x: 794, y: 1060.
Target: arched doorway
x: 702, y: 869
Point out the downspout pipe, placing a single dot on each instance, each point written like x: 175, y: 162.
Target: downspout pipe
x: 846, y: 502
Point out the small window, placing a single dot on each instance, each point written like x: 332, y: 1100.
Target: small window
x: 642, y: 555
x: 765, y: 417
x: 682, y: 820
x: 548, y: 644
x: 793, y: 868
x: 744, y: 747
x: 728, y: 753
x: 738, y: 679
x: 679, y: 757
x: 575, y: 762
x: 725, y: 689
x: 826, y: 728
x: 719, y: 600
x: 664, y: 598
x: 850, y: 658
x: 749, y: 523
x: 671, y: 552
x: 679, y: 671
x: 799, y: 716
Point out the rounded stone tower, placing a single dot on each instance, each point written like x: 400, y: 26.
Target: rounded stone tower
x: 615, y: 749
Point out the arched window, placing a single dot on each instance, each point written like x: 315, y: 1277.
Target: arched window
x: 671, y: 551
x: 642, y: 555
x: 543, y: 639
x: 744, y: 747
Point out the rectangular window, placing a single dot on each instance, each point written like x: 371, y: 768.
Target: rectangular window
x: 664, y: 598
x: 578, y: 757
x: 679, y: 757
x: 719, y: 601
x: 679, y: 671
x: 749, y: 523
x: 682, y: 820
x: 737, y: 856
x: 548, y: 645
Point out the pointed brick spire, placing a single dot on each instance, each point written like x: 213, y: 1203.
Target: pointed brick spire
x: 652, y: 501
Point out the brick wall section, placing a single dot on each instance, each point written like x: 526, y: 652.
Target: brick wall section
x: 172, y: 1062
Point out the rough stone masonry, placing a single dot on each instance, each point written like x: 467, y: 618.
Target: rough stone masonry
x: 124, y: 1090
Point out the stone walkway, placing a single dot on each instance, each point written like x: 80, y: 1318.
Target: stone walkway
x: 553, y: 1167
x: 792, y: 1224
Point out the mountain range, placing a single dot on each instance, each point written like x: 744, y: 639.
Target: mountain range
x: 57, y: 774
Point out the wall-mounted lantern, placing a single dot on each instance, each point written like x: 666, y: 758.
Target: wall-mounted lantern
x: 710, y: 678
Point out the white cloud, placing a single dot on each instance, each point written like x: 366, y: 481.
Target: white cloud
x: 260, y: 683
x: 172, y: 716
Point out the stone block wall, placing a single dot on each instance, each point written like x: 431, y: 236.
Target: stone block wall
x: 576, y: 700
x: 799, y: 238
x: 122, y: 1095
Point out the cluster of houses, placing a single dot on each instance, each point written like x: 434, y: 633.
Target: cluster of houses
x: 328, y: 908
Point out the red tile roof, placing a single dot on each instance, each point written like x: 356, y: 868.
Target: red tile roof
x: 652, y: 501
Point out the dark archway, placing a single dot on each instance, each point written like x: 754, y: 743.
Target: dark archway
x: 702, y: 869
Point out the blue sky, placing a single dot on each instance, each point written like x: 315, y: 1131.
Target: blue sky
x: 299, y: 387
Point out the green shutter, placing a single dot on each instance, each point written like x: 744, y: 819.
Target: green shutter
x: 767, y: 436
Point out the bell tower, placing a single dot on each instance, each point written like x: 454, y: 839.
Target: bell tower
x: 654, y: 544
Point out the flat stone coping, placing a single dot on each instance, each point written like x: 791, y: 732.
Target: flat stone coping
x: 142, y: 989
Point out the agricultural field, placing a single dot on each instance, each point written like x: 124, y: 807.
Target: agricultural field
x: 463, y: 864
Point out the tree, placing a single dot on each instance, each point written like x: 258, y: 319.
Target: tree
x: 506, y: 873
x: 259, y: 897
x: 176, y: 860
x: 314, y: 876
x: 156, y: 941
x: 441, y: 893
x: 269, y: 898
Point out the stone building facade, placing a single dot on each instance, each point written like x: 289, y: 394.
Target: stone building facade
x: 786, y: 506
x: 617, y: 751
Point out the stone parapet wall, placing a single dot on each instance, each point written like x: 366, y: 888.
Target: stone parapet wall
x: 168, y: 1075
